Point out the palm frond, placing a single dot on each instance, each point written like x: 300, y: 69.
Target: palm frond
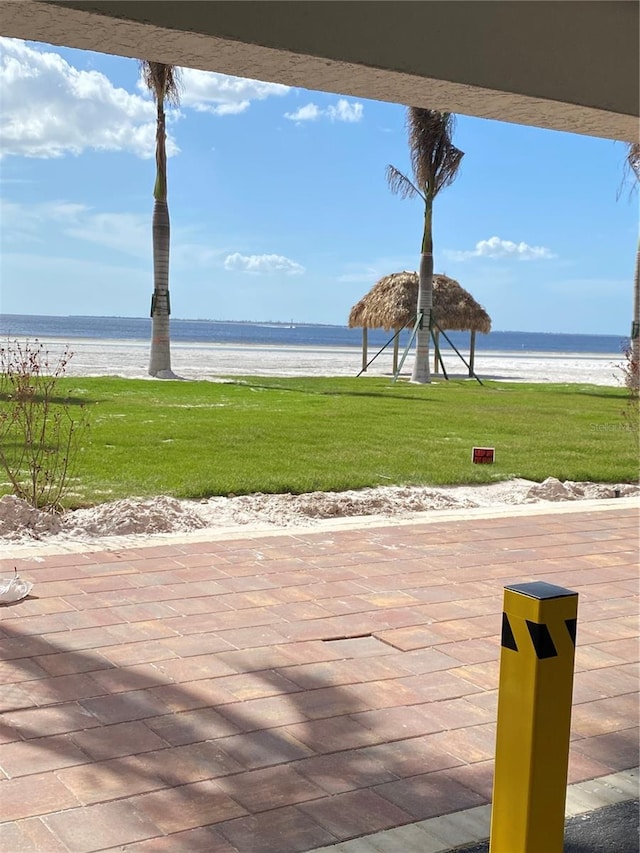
x: 400, y: 184
x: 163, y: 81
x: 435, y: 160
x: 633, y: 158
x: 630, y: 171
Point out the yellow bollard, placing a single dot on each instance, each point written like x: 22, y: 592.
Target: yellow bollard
x: 534, y: 718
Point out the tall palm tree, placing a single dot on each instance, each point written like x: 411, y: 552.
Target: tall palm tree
x: 435, y: 162
x: 633, y: 165
x: 163, y: 81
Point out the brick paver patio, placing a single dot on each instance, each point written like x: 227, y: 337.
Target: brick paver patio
x: 283, y: 693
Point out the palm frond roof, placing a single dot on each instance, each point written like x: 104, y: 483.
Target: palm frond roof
x: 391, y: 304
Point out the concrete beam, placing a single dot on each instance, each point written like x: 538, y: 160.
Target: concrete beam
x: 569, y: 65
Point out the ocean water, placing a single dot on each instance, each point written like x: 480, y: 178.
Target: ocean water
x: 293, y: 334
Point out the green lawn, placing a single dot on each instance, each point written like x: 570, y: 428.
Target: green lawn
x: 196, y: 439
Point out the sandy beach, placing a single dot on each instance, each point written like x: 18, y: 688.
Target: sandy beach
x: 211, y: 361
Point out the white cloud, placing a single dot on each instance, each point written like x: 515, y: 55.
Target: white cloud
x: 123, y: 232
x: 342, y: 110
x: 310, y: 112
x: 206, y: 91
x: 494, y: 247
x: 31, y: 216
x: 262, y: 264
x: 30, y: 222
x: 126, y: 233
x: 49, y: 108
x: 130, y: 233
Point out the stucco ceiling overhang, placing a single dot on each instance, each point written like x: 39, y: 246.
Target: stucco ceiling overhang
x: 569, y: 65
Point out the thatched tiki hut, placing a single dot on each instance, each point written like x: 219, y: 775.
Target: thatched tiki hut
x: 391, y: 304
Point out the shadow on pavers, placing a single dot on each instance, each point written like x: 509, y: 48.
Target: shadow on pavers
x: 612, y: 829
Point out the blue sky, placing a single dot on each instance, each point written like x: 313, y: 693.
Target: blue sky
x: 279, y: 205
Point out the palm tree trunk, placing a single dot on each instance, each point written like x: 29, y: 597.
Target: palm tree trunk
x: 635, y: 330
x: 421, y: 368
x: 160, y: 358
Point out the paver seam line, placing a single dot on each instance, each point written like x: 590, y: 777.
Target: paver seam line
x: 118, y: 642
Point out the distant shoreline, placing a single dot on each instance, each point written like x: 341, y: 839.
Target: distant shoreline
x: 207, y: 332
x: 284, y: 323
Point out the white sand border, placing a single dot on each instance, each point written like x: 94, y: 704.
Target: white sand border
x: 135, y: 522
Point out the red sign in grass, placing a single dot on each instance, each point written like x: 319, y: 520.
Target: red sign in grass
x: 483, y: 455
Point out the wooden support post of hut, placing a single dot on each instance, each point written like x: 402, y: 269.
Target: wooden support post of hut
x: 472, y: 351
x: 392, y: 303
